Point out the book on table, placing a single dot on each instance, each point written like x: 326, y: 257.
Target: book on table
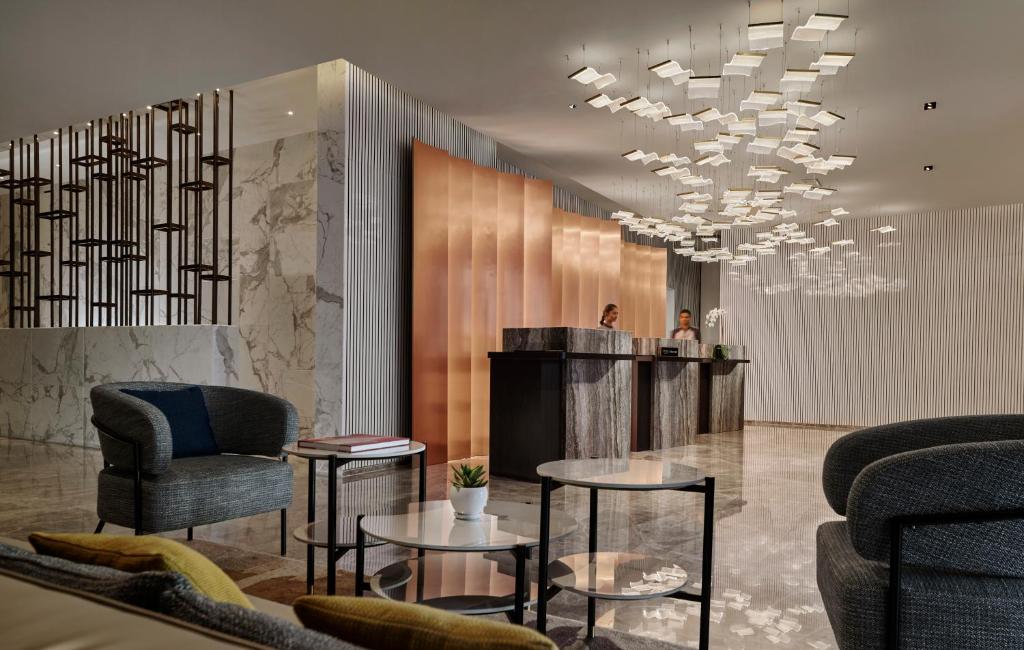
x: 355, y: 443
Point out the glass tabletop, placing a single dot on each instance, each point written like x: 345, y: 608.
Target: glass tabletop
x: 622, y: 473
x: 467, y: 583
x: 619, y: 576
x: 396, y: 452
x: 432, y: 525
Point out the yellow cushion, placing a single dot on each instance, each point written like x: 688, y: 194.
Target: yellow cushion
x: 385, y: 625
x: 142, y: 553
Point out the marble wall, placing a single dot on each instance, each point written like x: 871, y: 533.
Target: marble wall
x: 46, y: 373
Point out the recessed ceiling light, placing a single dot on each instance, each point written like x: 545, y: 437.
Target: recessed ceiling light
x: 928, y: 168
x: 930, y: 106
x: 56, y: 133
x: 291, y: 112
x: 149, y: 108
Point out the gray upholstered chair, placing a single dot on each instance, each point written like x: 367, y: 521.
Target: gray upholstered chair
x: 144, y: 488
x: 930, y: 553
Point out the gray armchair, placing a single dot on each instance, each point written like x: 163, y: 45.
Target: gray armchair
x: 143, y: 488
x: 929, y: 555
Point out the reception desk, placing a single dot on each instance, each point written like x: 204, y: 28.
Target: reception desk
x: 559, y: 392
x: 680, y: 391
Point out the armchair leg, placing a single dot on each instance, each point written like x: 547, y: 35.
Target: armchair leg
x: 190, y: 533
x: 284, y: 531
x: 99, y: 527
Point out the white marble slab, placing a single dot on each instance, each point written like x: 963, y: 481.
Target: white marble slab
x: 47, y: 373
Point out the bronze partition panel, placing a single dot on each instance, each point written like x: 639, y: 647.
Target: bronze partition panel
x: 591, y: 301
x: 484, y: 306
x: 430, y: 300
x: 460, y: 303
x: 537, y: 282
x: 659, y: 289
x: 510, y: 251
x: 610, y: 253
x: 571, y: 269
x: 626, y: 295
x: 556, y: 266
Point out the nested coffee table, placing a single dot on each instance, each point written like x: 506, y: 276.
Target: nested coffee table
x: 622, y: 575
x: 429, y: 579
x: 337, y: 538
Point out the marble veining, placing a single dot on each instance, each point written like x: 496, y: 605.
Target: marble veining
x: 45, y: 380
x: 332, y: 89
x: 726, y: 395
x: 569, y: 339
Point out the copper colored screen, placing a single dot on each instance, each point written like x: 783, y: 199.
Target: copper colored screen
x: 490, y: 251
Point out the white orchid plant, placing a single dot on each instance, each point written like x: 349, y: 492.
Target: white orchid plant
x: 712, y: 317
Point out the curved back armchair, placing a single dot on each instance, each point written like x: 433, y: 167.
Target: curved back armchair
x: 144, y: 488
x: 929, y: 555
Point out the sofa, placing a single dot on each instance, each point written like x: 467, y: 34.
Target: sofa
x: 928, y: 553
x: 50, y: 602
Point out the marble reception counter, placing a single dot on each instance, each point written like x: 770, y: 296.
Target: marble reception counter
x: 556, y: 393
x: 679, y: 390
x: 46, y: 373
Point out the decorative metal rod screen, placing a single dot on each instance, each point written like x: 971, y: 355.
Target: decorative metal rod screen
x: 119, y: 221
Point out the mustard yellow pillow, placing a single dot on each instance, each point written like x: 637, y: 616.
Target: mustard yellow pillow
x: 385, y: 625
x: 142, y: 553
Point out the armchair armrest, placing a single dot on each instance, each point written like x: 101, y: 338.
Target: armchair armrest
x: 849, y: 455
x: 961, y: 486
x: 131, y: 421
x: 250, y: 422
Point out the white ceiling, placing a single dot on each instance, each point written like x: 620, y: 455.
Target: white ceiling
x: 501, y: 68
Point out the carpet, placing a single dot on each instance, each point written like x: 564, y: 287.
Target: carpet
x: 283, y: 579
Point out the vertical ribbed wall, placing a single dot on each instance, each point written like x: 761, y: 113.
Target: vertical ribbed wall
x: 382, y: 124
x: 923, y: 322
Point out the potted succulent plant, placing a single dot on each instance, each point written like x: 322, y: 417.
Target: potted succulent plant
x: 469, y: 491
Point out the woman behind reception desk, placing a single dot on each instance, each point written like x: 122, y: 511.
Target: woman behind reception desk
x: 609, y: 316
x: 685, y: 331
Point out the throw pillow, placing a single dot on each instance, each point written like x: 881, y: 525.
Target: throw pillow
x: 379, y: 624
x: 187, y: 416
x: 142, y: 553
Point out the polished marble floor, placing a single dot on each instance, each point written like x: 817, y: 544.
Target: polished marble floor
x: 768, y: 504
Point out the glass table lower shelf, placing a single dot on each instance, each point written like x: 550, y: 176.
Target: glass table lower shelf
x: 617, y: 576
x: 467, y: 583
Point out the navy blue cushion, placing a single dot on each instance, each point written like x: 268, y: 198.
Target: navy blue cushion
x: 186, y: 414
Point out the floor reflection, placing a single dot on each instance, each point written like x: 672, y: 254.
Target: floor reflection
x: 768, y: 504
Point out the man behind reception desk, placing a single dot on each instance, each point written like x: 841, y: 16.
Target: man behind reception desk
x: 686, y: 332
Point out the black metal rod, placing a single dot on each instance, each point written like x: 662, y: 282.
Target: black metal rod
x: 542, y: 554
x: 361, y: 558
x: 332, y: 522
x: 310, y: 518
x: 707, y: 562
x: 231, y: 185
x: 521, y: 585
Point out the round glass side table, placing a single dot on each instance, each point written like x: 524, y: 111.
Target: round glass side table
x: 338, y: 540
x: 622, y: 575
x: 432, y: 526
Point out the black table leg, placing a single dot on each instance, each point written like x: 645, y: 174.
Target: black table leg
x: 310, y: 518
x: 423, y: 475
x: 542, y: 557
x: 332, y: 523
x: 592, y: 548
x: 522, y: 585
x: 706, y: 562
x: 360, y: 555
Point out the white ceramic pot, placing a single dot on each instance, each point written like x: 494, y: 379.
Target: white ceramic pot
x: 468, y: 503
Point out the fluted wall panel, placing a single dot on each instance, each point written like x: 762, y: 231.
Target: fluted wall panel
x: 382, y: 123
x: 922, y: 322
